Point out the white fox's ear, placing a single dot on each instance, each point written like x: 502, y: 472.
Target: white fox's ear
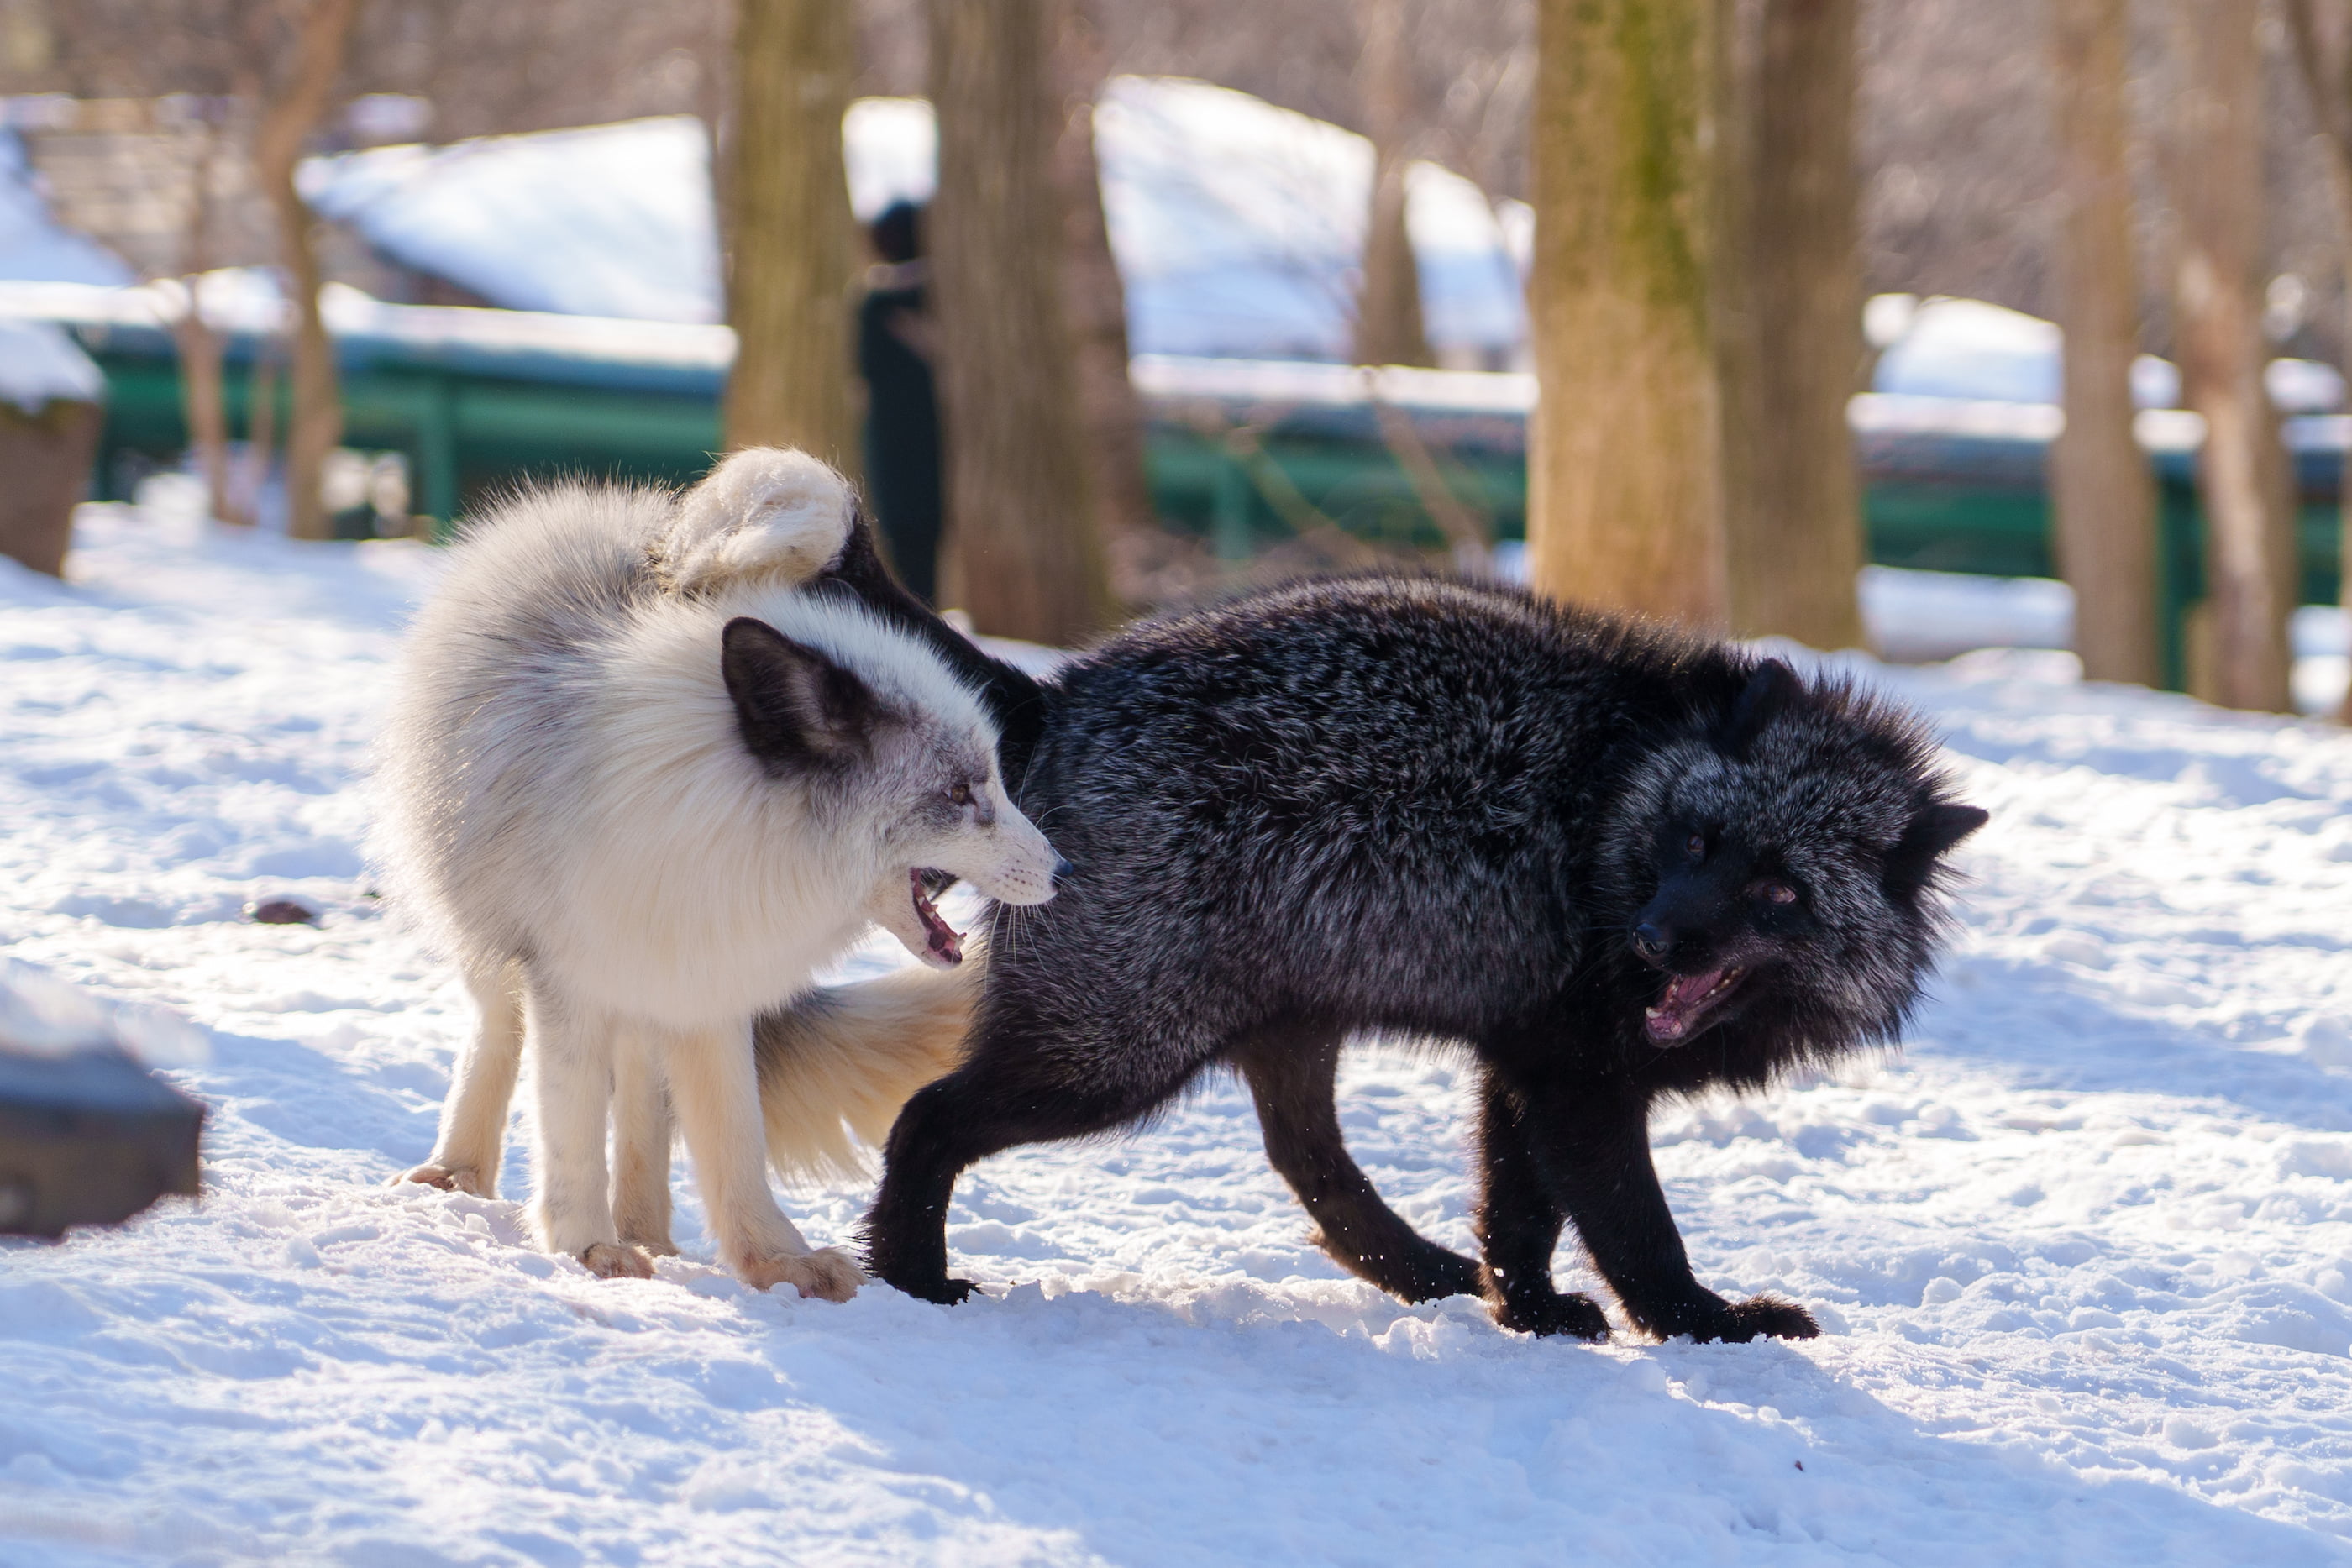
x: 795, y: 706
x: 767, y: 511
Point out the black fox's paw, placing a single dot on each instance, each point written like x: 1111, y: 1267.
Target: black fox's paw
x: 1576, y: 1317
x: 1757, y: 1317
x: 944, y: 1291
x: 1771, y: 1316
x: 1427, y: 1272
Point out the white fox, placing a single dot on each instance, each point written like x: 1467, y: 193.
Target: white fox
x: 642, y: 787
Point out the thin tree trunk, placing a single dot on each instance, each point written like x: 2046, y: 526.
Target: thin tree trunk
x: 1791, y: 323
x: 2100, y: 486
x: 2216, y: 174
x: 316, y: 427
x: 2331, y: 104
x: 260, y: 429
x: 1625, y: 503
x: 1022, y: 556
x: 1095, y: 299
x: 1389, y: 326
x: 791, y: 247
x: 203, y: 398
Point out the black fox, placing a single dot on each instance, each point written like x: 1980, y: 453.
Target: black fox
x: 1616, y: 862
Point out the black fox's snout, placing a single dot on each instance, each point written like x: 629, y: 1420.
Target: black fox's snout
x: 1696, y: 932
x: 1689, y: 922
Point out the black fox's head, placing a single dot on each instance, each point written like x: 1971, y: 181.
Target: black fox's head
x: 1780, y: 866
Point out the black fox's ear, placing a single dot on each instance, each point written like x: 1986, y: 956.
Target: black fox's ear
x: 1769, y: 693
x: 1938, y: 828
x: 793, y: 704
x: 1931, y: 835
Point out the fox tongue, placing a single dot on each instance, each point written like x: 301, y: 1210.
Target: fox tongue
x: 945, y: 942
x: 1670, y: 1019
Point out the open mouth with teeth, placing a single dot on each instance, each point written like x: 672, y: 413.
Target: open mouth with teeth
x: 945, y: 942
x: 1685, y: 1000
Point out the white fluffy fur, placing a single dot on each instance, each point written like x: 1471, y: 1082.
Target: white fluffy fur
x: 570, y: 808
x: 836, y: 1066
x: 765, y: 512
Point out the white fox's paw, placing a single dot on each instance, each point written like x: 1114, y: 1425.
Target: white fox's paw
x: 656, y: 1242
x: 448, y: 1178
x: 616, y: 1261
x: 829, y: 1274
x: 765, y: 511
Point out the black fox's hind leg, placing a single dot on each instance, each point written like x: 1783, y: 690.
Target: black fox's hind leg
x: 1518, y: 1224
x: 1592, y: 1146
x: 1290, y: 1076
x: 1007, y: 1094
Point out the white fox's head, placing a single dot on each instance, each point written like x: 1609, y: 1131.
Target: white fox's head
x: 920, y: 774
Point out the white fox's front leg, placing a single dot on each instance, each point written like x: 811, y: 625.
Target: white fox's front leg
x: 641, y: 1140
x: 466, y: 1152
x: 574, y: 1205
x: 715, y: 1088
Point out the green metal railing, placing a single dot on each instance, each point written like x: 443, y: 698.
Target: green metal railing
x: 471, y: 421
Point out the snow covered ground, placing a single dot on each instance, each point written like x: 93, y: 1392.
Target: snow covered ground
x: 2083, y: 1251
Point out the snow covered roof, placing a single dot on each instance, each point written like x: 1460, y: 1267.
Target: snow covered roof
x: 1238, y: 226
x: 612, y: 220
x: 1969, y: 348
x: 32, y: 244
x: 39, y: 364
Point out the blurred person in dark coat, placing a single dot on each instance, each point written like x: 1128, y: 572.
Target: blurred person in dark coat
x: 896, y: 339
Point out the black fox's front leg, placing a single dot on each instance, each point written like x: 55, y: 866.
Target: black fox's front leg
x: 1518, y: 1223
x: 1590, y: 1140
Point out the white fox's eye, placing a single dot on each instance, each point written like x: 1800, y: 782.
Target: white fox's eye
x: 960, y: 794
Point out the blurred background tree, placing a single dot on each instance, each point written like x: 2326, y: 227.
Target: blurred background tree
x: 1023, y: 554
x: 791, y: 247
x: 1788, y: 320
x: 1625, y: 493
x: 1389, y: 327
x: 2211, y: 152
x: 2322, y: 34
x: 2103, y: 498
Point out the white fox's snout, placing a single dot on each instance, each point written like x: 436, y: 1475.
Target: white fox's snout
x: 1024, y: 867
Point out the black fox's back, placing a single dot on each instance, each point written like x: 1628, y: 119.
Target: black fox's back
x: 1372, y: 800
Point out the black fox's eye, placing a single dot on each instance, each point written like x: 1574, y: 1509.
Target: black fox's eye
x: 1697, y: 847
x: 960, y: 794
x: 1777, y: 892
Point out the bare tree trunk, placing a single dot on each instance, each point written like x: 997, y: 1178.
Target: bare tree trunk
x: 2331, y: 103
x: 1625, y: 503
x: 203, y: 395
x: 2100, y: 486
x: 1022, y: 553
x: 792, y: 251
x: 316, y: 427
x: 2216, y: 175
x: 1790, y: 327
x: 260, y: 431
x: 1389, y: 327
x: 203, y: 402
x: 1095, y: 298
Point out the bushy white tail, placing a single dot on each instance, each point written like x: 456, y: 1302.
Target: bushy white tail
x: 853, y: 1054
x: 767, y: 511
